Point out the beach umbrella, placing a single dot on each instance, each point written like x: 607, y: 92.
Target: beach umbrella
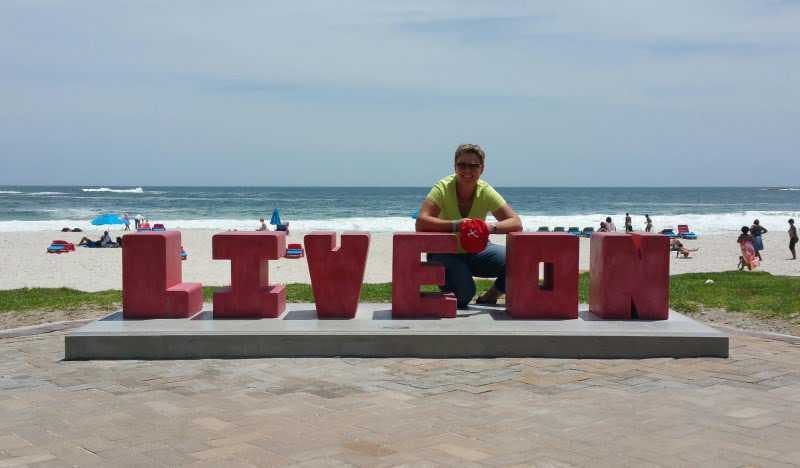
x: 276, y: 217
x: 109, y: 218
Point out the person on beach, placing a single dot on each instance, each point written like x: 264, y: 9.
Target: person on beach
x: 104, y: 241
x: 648, y: 226
x: 610, y: 225
x: 263, y: 226
x: 137, y: 221
x: 463, y: 197
x: 603, y: 227
x: 127, y: 221
x: 792, y: 239
x: 675, y: 245
x: 628, y: 223
x: 756, y: 230
x: 748, y: 257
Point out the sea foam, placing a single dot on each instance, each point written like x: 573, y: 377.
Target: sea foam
x: 715, y: 223
x: 106, y: 189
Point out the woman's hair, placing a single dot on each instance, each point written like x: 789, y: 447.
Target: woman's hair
x: 745, y: 229
x: 755, y: 221
x: 791, y: 220
x: 474, y: 149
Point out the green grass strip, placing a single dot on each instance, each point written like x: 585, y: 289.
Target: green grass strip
x: 756, y: 292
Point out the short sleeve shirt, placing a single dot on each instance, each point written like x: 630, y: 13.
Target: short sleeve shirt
x: 445, y: 196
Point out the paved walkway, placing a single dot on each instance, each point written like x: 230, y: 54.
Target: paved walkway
x: 742, y: 411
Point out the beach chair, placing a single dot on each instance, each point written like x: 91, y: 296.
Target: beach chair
x: 574, y: 230
x: 543, y: 229
x: 587, y: 231
x: 295, y: 251
x: 159, y: 227
x: 685, y: 233
x: 144, y: 227
x: 60, y: 246
x: 558, y: 229
x: 669, y: 233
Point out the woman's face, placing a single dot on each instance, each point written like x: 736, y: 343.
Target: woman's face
x: 469, y: 168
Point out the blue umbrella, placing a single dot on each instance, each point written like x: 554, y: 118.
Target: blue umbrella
x: 109, y: 218
x: 276, y: 217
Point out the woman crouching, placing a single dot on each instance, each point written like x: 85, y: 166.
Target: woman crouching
x: 453, y: 200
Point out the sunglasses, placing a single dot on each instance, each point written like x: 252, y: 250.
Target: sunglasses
x: 467, y: 166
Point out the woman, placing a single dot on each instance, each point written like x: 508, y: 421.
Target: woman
x: 749, y: 257
x: 455, y: 198
x: 792, y: 239
x: 756, y: 230
x: 648, y: 223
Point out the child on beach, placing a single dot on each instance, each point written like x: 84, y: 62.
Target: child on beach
x: 792, y: 239
x: 748, y: 258
x: 263, y: 226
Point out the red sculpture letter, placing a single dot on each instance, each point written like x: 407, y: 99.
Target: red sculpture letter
x: 151, y: 278
x: 557, y: 297
x: 336, y: 273
x: 408, y: 274
x: 629, y: 276
x: 249, y: 295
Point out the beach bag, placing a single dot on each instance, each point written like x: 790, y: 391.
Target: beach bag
x: 473, y: 234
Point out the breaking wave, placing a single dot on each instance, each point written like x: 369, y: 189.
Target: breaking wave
x: 714, y: 223
x: 106, y: 189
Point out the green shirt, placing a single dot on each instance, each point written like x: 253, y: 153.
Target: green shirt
x: 445, y: 196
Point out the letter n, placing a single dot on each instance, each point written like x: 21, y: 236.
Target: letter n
x: 336, y: 273
x: 557, y: 295
x: 409, y: 274
x: 151, y: 278
x: 250, y: 295
x: 629, y: 276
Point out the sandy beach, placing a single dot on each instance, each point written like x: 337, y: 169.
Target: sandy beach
x: 26, y: 264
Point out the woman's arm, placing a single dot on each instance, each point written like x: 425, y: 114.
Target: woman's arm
x: 428, y: 221
x: 507, y: 220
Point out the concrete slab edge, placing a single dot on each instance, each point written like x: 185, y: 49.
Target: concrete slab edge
x: 165, y: 347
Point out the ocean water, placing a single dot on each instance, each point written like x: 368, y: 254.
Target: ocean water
x: 707, y: 210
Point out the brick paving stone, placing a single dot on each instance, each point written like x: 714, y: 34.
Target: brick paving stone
x: 400, y: 412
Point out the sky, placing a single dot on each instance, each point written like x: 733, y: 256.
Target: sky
x: 380, y: 93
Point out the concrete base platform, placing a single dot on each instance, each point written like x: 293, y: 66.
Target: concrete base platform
x: 480, y: 331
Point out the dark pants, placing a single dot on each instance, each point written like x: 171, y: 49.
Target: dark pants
x: 460, y: 268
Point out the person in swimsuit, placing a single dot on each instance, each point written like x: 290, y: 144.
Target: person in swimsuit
x: 457, y: 197
x: 648, y: 223
x: 792, y: 239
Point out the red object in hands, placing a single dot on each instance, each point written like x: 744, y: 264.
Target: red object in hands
x: 473, y: 234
